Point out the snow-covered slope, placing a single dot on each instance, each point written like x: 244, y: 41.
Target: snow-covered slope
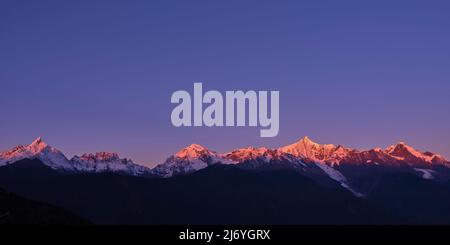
x: 426, y: 173
x: 38, y: 149
x: 337, y: 176
x: 107, y: 162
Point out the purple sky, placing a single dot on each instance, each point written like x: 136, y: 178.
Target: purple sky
x: 97, y: 75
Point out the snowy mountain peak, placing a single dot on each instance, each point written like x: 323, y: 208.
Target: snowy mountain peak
x: 38, y: 145
x: 404, y: 152
x: 306, y: 141
x: 38, y: 142
x: 400, y: 144
x: 188, y: 160
x: 309, y: 150
x: 38, y: 149
x: 196, y: 147
x: 194, y: 151
x: 402, y: 148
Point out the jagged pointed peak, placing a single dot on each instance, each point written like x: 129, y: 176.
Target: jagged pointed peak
x: 37, y: 145
x: 48, y: 155
x: 299, y: 143
x: 307, y: 140
x: 38, y: 141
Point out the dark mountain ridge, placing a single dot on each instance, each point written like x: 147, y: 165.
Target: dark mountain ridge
x: 216, y: 195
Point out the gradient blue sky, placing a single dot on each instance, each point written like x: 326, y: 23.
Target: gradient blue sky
x: 97, y: 75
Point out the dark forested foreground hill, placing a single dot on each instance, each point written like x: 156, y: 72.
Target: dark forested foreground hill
x: 15, y: 210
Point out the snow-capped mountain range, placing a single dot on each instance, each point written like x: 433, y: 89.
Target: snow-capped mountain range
x: 303, y: 155
x: 87, y: 163
x: 330, y: 154
x: 107, y: 162
x: 302, y: 152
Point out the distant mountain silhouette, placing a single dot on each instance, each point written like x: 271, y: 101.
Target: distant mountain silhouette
x: 302, y: 183
x: 219, y: 194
